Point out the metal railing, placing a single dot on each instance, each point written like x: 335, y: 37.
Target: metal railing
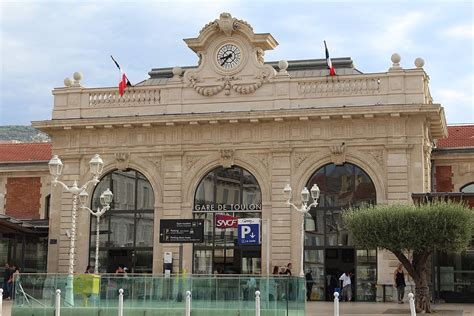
x: 40, y: 294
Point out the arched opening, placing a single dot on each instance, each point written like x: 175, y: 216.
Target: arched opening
x: 126, y: 230
x: 468, y: 188
x: 222, y: 197
x: 329, y: 251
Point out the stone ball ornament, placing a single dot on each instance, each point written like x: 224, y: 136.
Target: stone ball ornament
x: 67, y: 82
x: 177, y: 71
x: 396, y: 58
x: 419, y: 62
x: 283, y: 64
x: 77, y: 76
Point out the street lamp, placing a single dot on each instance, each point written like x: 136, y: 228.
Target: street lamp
x: 55, y: 168
x: 105, y: 199
x: 303, y: 210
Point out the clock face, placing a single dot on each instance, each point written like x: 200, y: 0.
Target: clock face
x: 228, y: 56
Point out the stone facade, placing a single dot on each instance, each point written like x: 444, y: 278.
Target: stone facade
x: 279, y: 125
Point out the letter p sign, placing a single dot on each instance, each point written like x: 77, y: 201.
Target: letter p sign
x: 248, y: 231
x: 245, y: 231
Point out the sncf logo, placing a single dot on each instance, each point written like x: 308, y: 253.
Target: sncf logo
x: 226, y: 221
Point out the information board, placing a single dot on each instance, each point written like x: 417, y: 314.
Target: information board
x: 181, y: 231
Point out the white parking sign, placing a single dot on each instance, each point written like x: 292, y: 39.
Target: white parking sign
x: 248, y: 231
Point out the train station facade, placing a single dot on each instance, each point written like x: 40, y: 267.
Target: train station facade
x: 220, y: 140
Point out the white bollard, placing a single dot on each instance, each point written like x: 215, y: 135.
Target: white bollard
x: 188, y: 303
x: 336, y: 304
x: 411, y: 300
x: 120, y: 304
x: 1, y: 301
x: 257, y: 303
x: 57, y: 303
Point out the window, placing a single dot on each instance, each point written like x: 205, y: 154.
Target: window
x: 229, y: 193
x: 468, y: 188
x: 128, y: 225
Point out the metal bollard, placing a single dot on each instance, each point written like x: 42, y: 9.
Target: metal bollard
x: 188, y: 303
x: 411, y: 300
x: 336, y: 304
x: 1, y: 301
x: 57, y: 303
x: 257, y: 303
x: 120, y: 303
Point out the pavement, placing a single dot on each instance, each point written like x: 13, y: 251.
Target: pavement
x: 359, y: 308
x: 384, y: 309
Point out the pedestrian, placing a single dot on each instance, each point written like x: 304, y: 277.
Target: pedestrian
x: 309, y: 284
x: 287, y: 269
x: 89, y: 269
x: 6, y: 277
x: 399, y: 282
x: 346, y: 287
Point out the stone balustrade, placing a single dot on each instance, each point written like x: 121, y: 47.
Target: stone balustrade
x: 336, y: 87
x: 132, y: 96
x: 396, y: 87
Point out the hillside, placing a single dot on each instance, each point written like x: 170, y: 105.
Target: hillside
x: 22, y: 134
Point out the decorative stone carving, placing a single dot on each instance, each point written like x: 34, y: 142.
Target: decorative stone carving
x: 122, y: 160
x: 227, y: 158
x: 299, y: 158
x: 260, y: 53
x: 157, y: 162
x: 226, y: 83
x: 226, y: 23
x: 191, y: 160
x: 264, y: 160
x: 338, y: 154
x: 377, y: 155
x: 210, y: 78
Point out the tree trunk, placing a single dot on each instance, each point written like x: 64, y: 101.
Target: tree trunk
x: 422, y: 293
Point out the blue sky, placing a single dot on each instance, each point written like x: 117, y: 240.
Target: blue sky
x: 44, y: 41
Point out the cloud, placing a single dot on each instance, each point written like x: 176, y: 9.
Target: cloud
x: 459, y: 31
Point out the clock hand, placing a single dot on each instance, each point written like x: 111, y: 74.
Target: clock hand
x: 226, y: 57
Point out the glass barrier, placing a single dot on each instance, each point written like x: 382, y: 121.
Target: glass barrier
x: 94, y: 295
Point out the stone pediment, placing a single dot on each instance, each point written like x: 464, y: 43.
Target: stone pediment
x: 231, y: 58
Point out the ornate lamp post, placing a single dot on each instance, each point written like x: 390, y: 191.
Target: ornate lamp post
x: 105, y: 199
x: 55, y: 168
x: 303, y: 210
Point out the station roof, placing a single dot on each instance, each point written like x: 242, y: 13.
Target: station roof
x: 296, y: 69
x: 459, y: 136
x: 25, y: 152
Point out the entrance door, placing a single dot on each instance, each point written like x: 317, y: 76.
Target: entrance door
x: 338, y: 261
x: 118, y: 257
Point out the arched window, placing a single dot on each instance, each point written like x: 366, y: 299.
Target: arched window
x: 222, y: 197
x: 468, y: 188
x: 126, y: 230
x: 329, y: 250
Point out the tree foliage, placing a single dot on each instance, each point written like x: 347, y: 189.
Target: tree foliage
x: 447, y: 226
x: 22, y: 133
x: 414, y: 229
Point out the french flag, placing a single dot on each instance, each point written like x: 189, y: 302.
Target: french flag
x: 124, y: 82
x: 332, y: 72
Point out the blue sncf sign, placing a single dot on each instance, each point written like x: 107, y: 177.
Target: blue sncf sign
x: 248, y: 231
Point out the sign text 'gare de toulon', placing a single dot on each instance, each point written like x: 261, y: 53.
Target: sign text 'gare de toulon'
x: 216, y: 207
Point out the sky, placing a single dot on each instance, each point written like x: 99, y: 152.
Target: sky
x: 44, y: 41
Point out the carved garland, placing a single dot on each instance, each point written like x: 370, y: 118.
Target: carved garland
x: 227, y: 84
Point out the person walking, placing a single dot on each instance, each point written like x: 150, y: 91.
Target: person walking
x: 346, y: 287
x: 399, y: 282
x: 6, y: 276
x: 309, y: 285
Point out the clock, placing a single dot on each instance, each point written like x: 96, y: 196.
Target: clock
x: 228, y: 56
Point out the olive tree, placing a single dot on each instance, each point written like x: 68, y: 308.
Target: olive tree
x: 412, y: 233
